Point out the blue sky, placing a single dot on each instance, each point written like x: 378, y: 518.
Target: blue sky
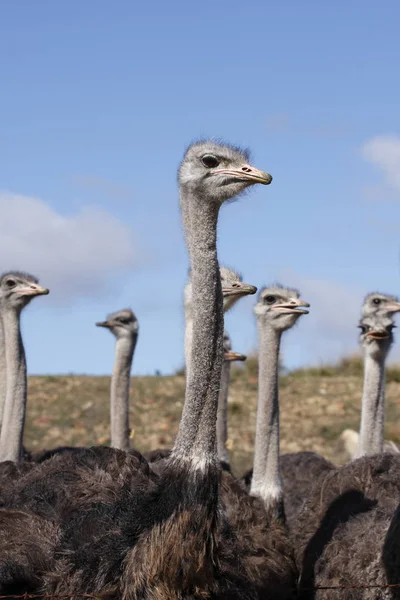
x: 98, y: 101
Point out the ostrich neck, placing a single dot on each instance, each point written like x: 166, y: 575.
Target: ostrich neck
x: 196, y: 439
x: 222, y: 415
x: 15, y: 401
x: 3, y: 372
x: 120, y: 383
x: 372, y: 407
x: 188, y: 340
x: 266, y: 482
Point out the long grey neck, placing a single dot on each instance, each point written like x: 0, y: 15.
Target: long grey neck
x: 266, y: 482
x: 222, y: 415
x: 3, y: 372
x: 12, y: 430
x: 372, y: 407
x: 196, y: 439
x: 120, y: 384
x: 188, y: 340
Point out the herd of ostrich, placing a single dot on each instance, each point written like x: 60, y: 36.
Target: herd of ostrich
x: 178, y: 524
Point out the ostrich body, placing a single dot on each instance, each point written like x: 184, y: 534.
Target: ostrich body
x: 166, y: 535
x: 342, y: 532
x: 28, y: 544
x: 16, y: 291
x: 124, y: 326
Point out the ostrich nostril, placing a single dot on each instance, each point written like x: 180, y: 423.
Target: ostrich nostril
x: 246, y: 169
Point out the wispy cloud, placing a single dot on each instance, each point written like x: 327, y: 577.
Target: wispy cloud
x: 384, y: 153
x: 74, y: 255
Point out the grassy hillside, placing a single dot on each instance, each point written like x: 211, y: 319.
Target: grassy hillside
x: 316, y: 405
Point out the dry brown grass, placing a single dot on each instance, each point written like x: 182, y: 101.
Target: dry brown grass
x: 316, y: 405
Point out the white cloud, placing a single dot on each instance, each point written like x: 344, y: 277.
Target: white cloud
x: 384, y: 153
x: 74, y: 255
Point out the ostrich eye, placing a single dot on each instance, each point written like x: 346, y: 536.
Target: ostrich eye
x: 363, y: 328
x: 210, y: 161
x: 376, y: 301
x: 390, y: 328
x: 10, y: 283
x: 269, y: 299
x: 123, y: 320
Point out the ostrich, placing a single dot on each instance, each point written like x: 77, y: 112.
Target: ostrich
x: 342, y: 537
x: 16, y: 291
x: 27, y: 541
x: 166, y: 534
x: 386, y: 305
x: 124, y: 326
x: 277, y: 310
x: 376, y: 340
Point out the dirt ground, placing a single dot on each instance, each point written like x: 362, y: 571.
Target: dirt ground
x: 316, y: 405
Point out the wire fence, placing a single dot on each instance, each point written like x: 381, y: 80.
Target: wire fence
x: 27, y: 596
x: 316, y: 588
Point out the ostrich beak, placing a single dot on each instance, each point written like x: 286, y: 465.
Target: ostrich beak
x: 239, y: 289
x: 102, y: 324
x: 293, y: 307
x: 393, y: 307
x: 378, y: 335
x: 231, y: 356
x: 34, y: 289
x: 247, y: 173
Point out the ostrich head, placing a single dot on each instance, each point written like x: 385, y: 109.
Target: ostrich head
x: 122, y: 323
x: 17, y: 289
x: 218, y: 172
x: 376, y: 335
x: 233, y: 288
x: 376, y: 302
x: 279, y: 306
